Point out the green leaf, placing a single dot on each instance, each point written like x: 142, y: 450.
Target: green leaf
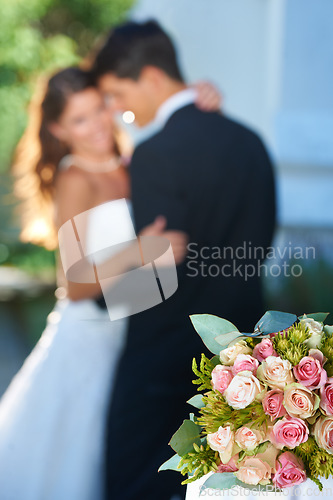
x: 209, y: 326
x: 316, y: 316
x: 171, y: 464
x: 183, y: 439
x: 275, y: 321
x: 196, y: 401
x: 225, y: 339
x: 328, y: 330
x: 215, y: 360
x: 220, y: 481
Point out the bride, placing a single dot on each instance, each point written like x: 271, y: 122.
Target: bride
x: 53, y: 414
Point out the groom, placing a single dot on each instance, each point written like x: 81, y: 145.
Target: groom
x: 212, y: 179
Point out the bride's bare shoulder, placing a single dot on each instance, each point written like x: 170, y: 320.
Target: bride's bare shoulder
x: 73, y: 194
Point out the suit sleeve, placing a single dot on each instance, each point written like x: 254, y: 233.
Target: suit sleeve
x: 157, y: 188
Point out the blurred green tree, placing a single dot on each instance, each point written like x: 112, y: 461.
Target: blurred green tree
x: 39, y: 36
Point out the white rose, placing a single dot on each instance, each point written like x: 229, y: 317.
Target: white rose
x: 323, y: 433
x: 315, y: 329
x: 248, y: 439
x: 276, y: 372
x: 222, y: 441
x: 228, y: 355
x: 313, y: 326
x: 242, y: 390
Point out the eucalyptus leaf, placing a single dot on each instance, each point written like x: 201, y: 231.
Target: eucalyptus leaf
x: 275, y: 321
x: 209, y: 326
x: 225, y: 339
x: 328, y: 330
x: 196, y: 401
x: 171, y: 464
x: 257, y: 334
x: 183, y: 439
x: 215, y: 360
x: 220, y: 481
x: 321, y: 316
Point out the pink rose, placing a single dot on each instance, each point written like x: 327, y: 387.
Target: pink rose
x: 263, y: 350
x: 290, y: 432
x: 231, y: 466
x: 310, y: 371
x: 275, y: 372
x: 242, y: 390
x: 300, y: 402
x: 245, y: 362
x: 323, y: 433
x: 221, y: 378
x: 289, y: 471
x: 222, y: 441
x: 273, y: 404
x: 253, y: 470
x: 248, y: 439
x: 326, y: 397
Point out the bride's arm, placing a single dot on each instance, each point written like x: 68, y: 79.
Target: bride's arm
x: 73, y: 196
x: 128, y: 258
x: 209, y: 97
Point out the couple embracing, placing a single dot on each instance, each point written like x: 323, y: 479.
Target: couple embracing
x: 91, y: 412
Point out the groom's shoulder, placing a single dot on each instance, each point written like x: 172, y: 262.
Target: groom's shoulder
x: 190, y: 126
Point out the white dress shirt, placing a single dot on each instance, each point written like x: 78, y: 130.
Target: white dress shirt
x: 173, y: 104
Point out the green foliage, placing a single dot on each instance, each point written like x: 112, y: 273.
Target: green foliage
x: 261, y: 448
x: 290, y: 344
x: 316, y: 316
x: 326, y: 347
x: 317, y: 462
x: 252, y: 342
x: 275, y: 321
x: 196, y: 401
x: 252, y: 415
x: 216, y: 333
x: 204, y: 372
x: 216, y: 412
x: 34, y: 260
x: 201, y: 460
x: 171, y: 464
x: 40, y: 36
x: 185, y: 437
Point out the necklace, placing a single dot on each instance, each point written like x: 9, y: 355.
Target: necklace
x: 95, y: 167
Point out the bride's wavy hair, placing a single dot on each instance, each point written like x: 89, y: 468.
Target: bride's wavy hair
x: 39, y: 152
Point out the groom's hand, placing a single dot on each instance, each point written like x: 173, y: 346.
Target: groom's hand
x: 178, y: 239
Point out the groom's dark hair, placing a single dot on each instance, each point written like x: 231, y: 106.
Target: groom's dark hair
x: 132, y: 46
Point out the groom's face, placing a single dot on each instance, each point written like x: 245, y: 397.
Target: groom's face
x: 126, y: 94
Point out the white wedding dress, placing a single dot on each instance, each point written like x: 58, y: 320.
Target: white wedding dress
x: 53, y: 414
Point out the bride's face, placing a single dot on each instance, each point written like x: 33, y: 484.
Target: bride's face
x: 85, y: 124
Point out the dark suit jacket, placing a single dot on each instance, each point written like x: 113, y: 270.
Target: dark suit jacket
x: 212, y: 178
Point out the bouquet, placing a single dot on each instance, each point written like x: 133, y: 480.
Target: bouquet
x: 265, y: 404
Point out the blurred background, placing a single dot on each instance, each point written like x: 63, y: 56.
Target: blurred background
x: 273, y: 62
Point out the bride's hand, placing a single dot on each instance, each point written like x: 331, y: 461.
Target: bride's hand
x: 178, y: 239
x: 209, y: 98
